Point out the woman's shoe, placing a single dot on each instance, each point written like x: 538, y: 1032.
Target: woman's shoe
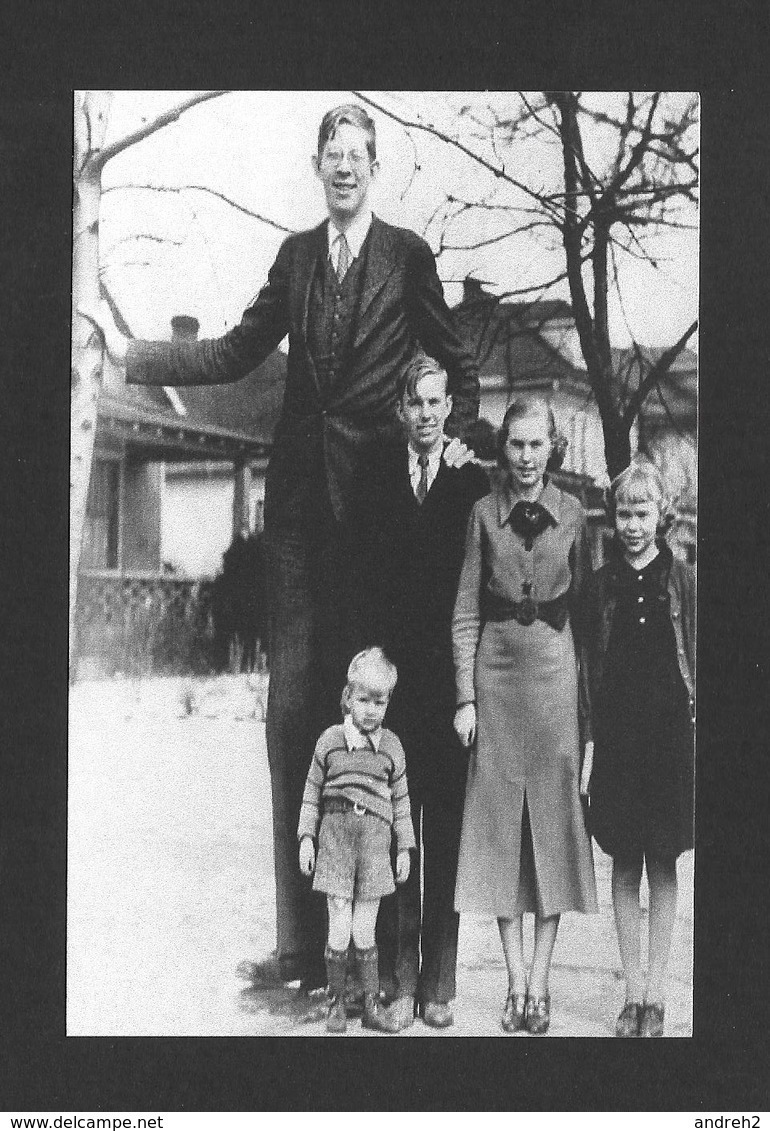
x: 651, y: 1023
x: 538, y: 1014
x: 514, y: 1012
x: 627, y: 1024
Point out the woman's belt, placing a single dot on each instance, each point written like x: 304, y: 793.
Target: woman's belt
x: 555, y: 613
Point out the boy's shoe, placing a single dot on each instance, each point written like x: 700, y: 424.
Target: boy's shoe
x: 376, y: 1016
x: 401, y: 1012
x: 336, y: 1017
x: 651, y: 1023
x: 437, y: 1014
x: 627, y: 1024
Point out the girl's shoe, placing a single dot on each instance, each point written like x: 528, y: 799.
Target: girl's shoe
x: 628, y: 1021
x: 651, y: 1023
x: 538, y: 1014
x: 514, y: 1012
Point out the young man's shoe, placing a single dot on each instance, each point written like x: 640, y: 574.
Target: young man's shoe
x: 437, y: 1014
x: 401, y: 1012
x: 376, y: 1016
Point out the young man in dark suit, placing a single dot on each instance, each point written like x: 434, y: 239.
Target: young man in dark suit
x: 356, y: 297
x: 415, y: 517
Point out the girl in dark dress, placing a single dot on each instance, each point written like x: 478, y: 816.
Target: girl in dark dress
x: 641, y: 608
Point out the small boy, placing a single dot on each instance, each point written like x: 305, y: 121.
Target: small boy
x: 357, y: 789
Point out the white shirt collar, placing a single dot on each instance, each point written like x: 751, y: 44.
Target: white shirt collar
x: 356, y: 739
x: 434, y: 462
x: 355, y: 235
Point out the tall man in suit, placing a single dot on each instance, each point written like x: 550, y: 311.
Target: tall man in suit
x: 415, y: 524
x: 356, y: 297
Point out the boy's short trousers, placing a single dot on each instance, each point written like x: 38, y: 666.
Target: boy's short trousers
x: 354, y: 856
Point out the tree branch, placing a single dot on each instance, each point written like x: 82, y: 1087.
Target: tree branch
x: 206, y: 189
x: 101, y: 158
x: 658, y: 370
x: 435, y: 132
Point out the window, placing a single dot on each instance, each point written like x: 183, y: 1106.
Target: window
x: 100, y: 535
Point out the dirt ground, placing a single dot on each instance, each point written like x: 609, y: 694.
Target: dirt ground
x: 171, y: 892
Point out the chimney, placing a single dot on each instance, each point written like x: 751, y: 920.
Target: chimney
x: 472, y: 290
x: 184, y: 328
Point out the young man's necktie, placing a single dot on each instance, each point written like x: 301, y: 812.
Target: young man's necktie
x: 422, y: 486
x: 343, y: 257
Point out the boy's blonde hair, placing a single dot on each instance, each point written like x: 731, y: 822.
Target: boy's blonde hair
x: 641, y: 482
x: 372, y: 668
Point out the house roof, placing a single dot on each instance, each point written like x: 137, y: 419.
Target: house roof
x: 509, y: 342
x: 220, y: 421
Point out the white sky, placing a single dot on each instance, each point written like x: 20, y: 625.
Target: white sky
x: 255, y: 147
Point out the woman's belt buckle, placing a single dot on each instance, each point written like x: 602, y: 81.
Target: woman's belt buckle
x: 358, y: 809
x: 527, y: 611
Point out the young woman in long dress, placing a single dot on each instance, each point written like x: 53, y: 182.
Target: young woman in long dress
x: 524, y: 846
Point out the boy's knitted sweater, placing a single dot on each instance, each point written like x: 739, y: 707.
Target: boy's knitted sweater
x: 375, y: 778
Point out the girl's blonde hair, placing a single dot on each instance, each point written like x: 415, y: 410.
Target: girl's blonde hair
x: 641, y: 482
x: 372, y: 668
x: 527, y: 405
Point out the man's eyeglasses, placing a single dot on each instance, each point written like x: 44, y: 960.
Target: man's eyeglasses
x: 333, y: 158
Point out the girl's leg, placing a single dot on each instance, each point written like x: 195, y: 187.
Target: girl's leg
x: 626, y: 878
x: 512, y: 938
x: 545, y: 939
x: 661, y: 875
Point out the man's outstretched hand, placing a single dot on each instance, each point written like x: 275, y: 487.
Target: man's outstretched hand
x: 115, y: 343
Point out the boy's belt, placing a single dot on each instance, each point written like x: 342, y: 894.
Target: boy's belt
x: 526, y: 612
x: 344, y: 805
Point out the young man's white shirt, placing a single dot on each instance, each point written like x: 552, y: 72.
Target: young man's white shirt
x: 434, y: 462
x: 355, y: 235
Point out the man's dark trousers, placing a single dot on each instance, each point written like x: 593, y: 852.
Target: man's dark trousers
x: 420, y: 553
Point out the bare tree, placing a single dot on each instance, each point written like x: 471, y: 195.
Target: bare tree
x: 91, y: 155
x: 646, y: 181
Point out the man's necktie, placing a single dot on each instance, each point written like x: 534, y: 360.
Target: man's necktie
x: 422, y: 486
x: 343, y: 257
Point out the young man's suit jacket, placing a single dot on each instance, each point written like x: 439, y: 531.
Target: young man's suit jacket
x: 330, y: 429
x: 411, y: 570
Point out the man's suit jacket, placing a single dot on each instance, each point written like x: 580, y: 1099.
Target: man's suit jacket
x: 402, y: 305
x: 411, y: 568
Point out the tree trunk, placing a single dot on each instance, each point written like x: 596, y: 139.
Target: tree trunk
x: 91, y: 109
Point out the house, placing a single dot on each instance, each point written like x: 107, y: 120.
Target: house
x: 132, y: 605
x: 198, y: 496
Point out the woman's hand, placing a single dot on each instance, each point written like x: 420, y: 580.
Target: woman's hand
x: 306, y: 856
x: 403, y: 864
x: 465, y: 723
x: 115, y: 343
x: 585, y: 773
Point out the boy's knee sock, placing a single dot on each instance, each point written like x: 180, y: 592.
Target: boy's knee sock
x: 368, y: 970
x: 336, y: 969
